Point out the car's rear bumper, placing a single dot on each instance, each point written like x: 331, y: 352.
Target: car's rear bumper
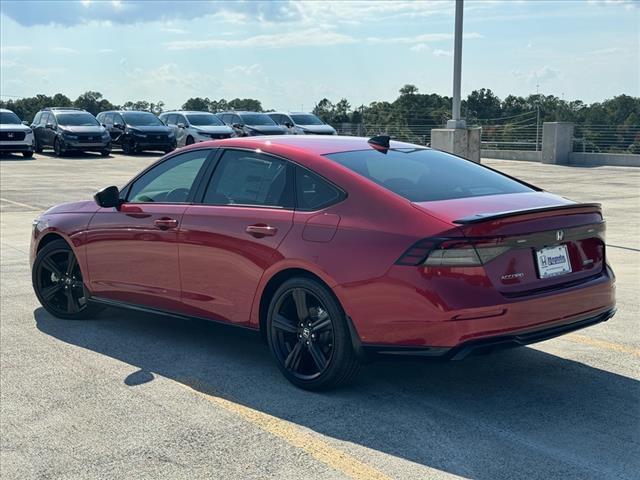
x: 499, y: 342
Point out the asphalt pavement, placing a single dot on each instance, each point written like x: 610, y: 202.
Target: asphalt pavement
x: 131, y: 395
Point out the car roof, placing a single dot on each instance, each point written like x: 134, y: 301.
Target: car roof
x: 187, y: 112
x: 4, y: 110
x: 128, y: 111
x: 318, y: 144
x: 241, y: 112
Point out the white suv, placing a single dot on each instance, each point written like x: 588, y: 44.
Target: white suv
x: 301, y: 123
x: 15, y: 136
x: 193, y: 127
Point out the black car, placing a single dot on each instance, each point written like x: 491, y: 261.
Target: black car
x: 69, y: 129
x: 136, y: 131
x: 248, y: 124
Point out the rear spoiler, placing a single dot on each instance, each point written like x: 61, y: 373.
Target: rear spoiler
x: 483, y: 217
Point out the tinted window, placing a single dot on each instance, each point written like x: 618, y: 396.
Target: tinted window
x: 37, y: 118
x: 306, y: 119
x: 170, y: 181
x: 256, y: 119
x: 9, y: 118
x: 201, y: 119
x: 313, y: 192
x: 80, y: 119
x: 279, y: 119
x: 107, y: 118
x: 117, y: 118
x: 169, y: 119
x: 422, y: 175
x: 246, y: 178
x: 141, y: 119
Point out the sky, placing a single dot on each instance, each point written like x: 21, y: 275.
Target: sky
x: 291, y: 54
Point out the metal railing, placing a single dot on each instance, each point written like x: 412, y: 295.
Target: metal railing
x: 606, y: 138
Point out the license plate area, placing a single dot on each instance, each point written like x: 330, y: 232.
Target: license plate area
x: 553, y: 261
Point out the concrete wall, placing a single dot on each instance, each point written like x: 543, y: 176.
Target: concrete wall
x: 594, y: 159
x: 525, y: 155
x: 464, y: 142
x: 557, y: 142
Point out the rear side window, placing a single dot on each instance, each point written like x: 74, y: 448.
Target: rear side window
x: 247, y: 178
x: 313, y: 192
x: 422, y: 175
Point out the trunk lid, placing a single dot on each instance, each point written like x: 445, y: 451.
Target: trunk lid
x: 549, y: 242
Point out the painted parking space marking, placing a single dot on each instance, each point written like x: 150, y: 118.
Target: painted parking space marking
x: 18, y: 204
x: 603, y: 344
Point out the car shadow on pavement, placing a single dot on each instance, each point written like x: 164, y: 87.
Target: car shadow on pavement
x: 14, y: 157
x: 516, y: 414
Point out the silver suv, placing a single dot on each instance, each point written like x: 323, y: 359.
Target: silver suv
x: 301, y: 123
x: 192, y: 127
x: 15, y: 136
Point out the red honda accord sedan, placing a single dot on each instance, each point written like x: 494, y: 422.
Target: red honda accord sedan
x: 335, y: 249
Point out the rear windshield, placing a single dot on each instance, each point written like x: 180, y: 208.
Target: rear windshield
x: 257, y: 119
x: 141, y: 119
x: 203, y: 119
x: 423, y: 175
x: 82, y: 119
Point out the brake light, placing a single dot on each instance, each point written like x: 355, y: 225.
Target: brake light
x: 451, y: 253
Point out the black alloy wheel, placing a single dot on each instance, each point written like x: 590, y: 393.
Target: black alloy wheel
x: 129, y: 147
x: 309, y: 337
x: 189, y: 140
x: 57, y: 282
x: 57, y: 148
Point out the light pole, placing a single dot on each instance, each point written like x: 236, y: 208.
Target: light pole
x: 456, y: 121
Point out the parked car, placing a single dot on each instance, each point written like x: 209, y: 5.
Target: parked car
x: 137, y: 131
x: 249, y: 124
x: 193, y: 127
x: 15, y: 135
x: 335, y: 249
x: 68, y: 129
x: 301, y: 123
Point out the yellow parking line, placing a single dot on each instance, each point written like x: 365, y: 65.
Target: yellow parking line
x: 593, y: 342
x: 20, y: 204
x: 294, y: 435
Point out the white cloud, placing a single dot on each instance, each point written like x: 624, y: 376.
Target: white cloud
x: 63, y: 50
x: 542, y: 74
x: 309, y: 37
x: 15, y: 49
x: 178, y: 31
x: 245, y: 69
x: 442, y: 53
x: 424, y: 38
x: 420, y: 47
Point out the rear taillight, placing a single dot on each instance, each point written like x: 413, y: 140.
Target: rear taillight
x: 452, y: 253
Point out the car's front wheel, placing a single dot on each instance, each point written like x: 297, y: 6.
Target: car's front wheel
x: 57, y: 282
x: 58, y: 149
x: 309, y: 337
x: 27, y: 154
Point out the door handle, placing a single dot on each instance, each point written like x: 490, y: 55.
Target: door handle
x: 165, y: 223
x: 261, y: 230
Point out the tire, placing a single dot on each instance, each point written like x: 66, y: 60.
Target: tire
x: 189, y: 140
x: 169, y: 150
x: 27, y: 154
x: 57, y: 282
x: 129, y: 147
x: 57, y: 148
x: 309, y: 337
x: 105, y: 153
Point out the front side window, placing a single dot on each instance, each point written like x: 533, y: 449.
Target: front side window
x: 80, y: 119
x: 37, y: 119
x: 247, y: 178
x: 142, y: 119
x: 314, y: 192
x: 423, y: 175
x: 170, y: 119
x: 171, y: 181
x: 117, y: 119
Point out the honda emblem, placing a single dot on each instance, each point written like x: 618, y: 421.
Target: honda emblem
x: 10, y: 135
x: 559, y: 235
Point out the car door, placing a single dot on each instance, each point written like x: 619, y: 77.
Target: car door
x: 132, y: 252
x: 117, y: 128
x: 181, y: 133
x: 49, y: 130
x: 38, y: 128
x: 231, y: 237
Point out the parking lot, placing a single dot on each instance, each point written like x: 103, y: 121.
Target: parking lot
x: 131, y: 395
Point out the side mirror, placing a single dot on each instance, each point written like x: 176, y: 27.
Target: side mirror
x: 49, y: 126
x: 180, y: 125
x: 119, y: 126
x: 104, y: 125
x: 108, y: 197
x: 24, y: 122
x: 237, y: 125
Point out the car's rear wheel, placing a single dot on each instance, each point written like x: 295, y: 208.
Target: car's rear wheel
x: 309, y: 337
x: 27, y: 154
x: 57, y: 282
